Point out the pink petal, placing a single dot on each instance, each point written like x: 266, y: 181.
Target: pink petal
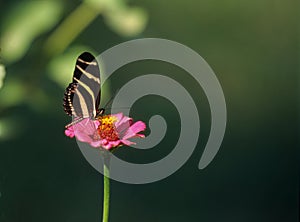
x: 84, y: 130
x: 104, y: 141
x: 115, y: 143
x: 127, y: 142
x: 122, y: 120
x: 70, y: 132
x: 119, y: 116
x: 134, y: 129
x: 86, y: 126
x: 123, y: 125
x: 112, y: 144
x: 97, y: 123
x: 84, y: 137
x: 96, y: 143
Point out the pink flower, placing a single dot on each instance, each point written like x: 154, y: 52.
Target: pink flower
x: 107, y: 131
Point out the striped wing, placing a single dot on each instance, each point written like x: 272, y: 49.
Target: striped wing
x: 82, y: 96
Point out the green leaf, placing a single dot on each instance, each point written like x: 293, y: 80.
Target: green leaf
x: 127, y: 22
x: 124, y: 20
x: 24, y: 23
x: 9, y: 128
x: 12, y: 93
x: 106, y: 4
x: 2, y: 75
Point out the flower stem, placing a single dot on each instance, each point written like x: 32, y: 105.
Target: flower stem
x: 106, y: 191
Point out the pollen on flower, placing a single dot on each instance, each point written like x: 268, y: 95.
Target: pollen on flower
x: 108, y: 119
x: 106, y: 129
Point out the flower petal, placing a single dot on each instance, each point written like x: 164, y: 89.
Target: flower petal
x: 122, y: 125
x: 88, y: 131
x: 96, y: 143
x: 111, y: 144
x: 134, y: 129
x: 140, y: 135
x: 122, y: 120
x: 86, y: 126
x: 97, y: 123
x: 83, y: 137
x: 127, y: 142
x: 119, y: 116
x: 70, y: 132
x: 84, y: 130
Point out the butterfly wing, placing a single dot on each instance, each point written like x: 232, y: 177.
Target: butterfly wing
x: 82, y: 96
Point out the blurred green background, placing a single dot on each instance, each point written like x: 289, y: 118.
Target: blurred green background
x: 251, y: 46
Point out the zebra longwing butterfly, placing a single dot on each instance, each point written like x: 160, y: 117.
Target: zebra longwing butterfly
x: 82, y: 96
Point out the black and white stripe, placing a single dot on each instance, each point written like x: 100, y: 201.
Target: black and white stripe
x: 82, y: 96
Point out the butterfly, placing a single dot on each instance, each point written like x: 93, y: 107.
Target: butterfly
x: 82, y: 96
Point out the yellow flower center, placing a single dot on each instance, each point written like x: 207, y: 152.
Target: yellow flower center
x: 106, y: 129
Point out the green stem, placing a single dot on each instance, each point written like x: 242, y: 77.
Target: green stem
x: 106, y: 192
x: 70, y: 28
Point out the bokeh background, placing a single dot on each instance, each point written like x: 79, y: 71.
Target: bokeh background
x: 251, y: 46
